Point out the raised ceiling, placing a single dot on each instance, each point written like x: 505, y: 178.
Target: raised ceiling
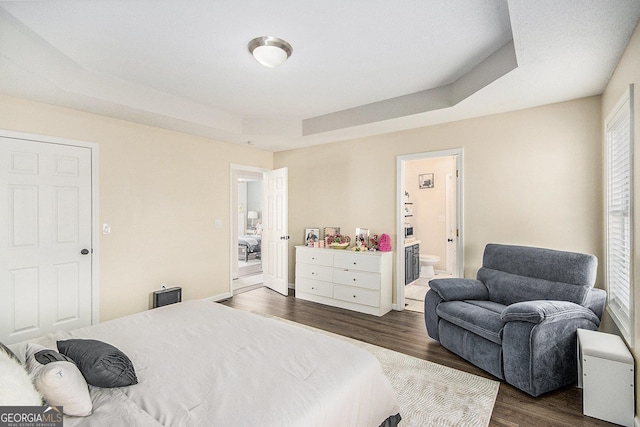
x: 358, y: 67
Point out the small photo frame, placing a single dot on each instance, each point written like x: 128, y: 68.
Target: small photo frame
x: 311, y: 235
x: 426, y: 180
x: 331, y: 231
x: 362, y: 237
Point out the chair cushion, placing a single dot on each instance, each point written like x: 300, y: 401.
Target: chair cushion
x: 480, y: 317
x: 540, y: 263
x: 507, y: 288
x: 547, y: 311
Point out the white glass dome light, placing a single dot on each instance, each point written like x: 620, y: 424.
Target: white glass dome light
x: 270, y: 51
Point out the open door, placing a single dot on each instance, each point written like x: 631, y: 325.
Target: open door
x: 451, y: 226
x: 275, y: 230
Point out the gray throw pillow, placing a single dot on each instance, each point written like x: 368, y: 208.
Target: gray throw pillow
x: 102, y: 364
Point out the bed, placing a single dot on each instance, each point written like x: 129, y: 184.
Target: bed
x: 199, y: 363
x: 249, y: 247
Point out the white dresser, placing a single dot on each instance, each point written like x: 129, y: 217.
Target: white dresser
x: 359, y: 281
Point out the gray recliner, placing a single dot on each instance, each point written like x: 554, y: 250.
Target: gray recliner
x: 518, y: 319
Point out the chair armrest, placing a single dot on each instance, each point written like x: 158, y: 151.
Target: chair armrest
x: 460, y: 289
x: 539, y: 311
x: 596, y: 300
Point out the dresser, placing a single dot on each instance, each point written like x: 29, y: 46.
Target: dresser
x: 359, y: 281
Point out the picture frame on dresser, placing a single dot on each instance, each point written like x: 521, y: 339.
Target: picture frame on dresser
x: 331, y: 231
x: 362, y: 237
x: 311, y: 235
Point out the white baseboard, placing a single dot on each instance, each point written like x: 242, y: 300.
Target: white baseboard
x: 220, y: 297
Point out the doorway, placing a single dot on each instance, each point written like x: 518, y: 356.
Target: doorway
x: 247, y: 215
x: 430, y: 222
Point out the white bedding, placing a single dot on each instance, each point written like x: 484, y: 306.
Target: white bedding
x: 204, y: 364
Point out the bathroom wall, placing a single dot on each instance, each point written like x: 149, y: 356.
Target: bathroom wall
x: 254, y: 200
x: 429, y: 205
x: 242, y: 208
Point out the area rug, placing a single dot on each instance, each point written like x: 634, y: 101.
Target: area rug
x: 430, y: 394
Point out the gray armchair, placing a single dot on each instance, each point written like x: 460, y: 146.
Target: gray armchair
x: 518, y: 319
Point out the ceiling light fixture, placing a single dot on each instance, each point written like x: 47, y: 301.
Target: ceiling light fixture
x: 270, y: 51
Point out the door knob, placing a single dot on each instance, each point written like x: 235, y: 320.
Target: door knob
x: 85, y: 252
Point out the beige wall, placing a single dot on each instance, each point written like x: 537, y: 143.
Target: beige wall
x: 531, y: 177
x: 161, y: 192
x: 626, y: 73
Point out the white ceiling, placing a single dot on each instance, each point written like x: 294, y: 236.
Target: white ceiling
x: 359, y: 67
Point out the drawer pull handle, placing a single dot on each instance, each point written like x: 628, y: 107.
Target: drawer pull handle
x: 354, y: 296
x: 312, y: 288
x: 354, y: 279
x: 355, y: 263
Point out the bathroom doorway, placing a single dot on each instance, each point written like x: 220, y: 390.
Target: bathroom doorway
x: 430, y: 222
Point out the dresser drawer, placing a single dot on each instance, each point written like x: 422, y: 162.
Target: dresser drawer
x: 314, y: 287
x: 314, y: 256
x: 317, y: 272
x: 357, y: 261
x: 357, y: 295
x: 360, y: 279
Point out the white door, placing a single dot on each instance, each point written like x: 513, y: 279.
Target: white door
x: 275, y: 231
x: 45, y: 238
x: 451, y: 224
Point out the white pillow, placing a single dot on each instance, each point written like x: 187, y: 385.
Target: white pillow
x: 60, y: 382
x: 17, y: 388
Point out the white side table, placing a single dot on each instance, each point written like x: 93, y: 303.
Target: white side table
x: 605, y: 373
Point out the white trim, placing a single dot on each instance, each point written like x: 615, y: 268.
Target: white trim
x: 95, y: 227
x: 400, y: 169
x: 219, y: 297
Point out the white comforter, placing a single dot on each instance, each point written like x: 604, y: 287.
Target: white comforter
x: 205, y: 364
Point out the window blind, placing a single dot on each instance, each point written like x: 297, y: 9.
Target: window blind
x: 619, y: 214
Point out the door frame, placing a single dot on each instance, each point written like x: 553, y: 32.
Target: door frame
x: 400, y: 180
x: 236, y: 171
x: 95, y: 239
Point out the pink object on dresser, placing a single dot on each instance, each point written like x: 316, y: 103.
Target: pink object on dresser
x: 385, y: 243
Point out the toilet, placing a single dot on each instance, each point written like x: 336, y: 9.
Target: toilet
x: 426, y: 265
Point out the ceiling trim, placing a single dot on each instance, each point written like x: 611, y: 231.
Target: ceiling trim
x: 496, y: 65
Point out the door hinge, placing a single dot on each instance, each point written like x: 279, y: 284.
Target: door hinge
x: 456, y: 173
x: 457, y: 233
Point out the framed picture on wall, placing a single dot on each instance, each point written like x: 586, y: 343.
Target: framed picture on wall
x: 426, y: 180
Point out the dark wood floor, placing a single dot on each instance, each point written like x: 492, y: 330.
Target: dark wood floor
x: 405, y: 332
